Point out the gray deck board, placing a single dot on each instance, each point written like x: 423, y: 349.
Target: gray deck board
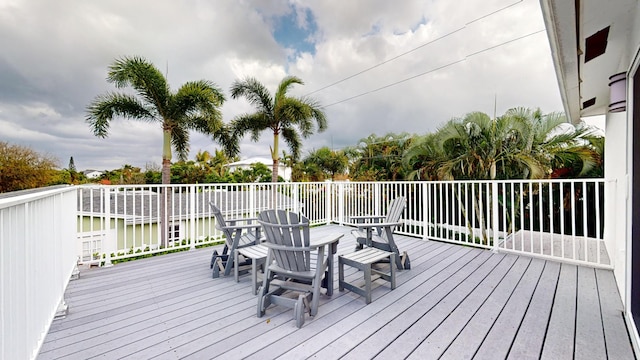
x: 559, y: 341
x: 427, y: 312
x: 438, y: 340
x: 534, y: 325
x: 612, y: 317
x: 589, y: 335
x: 470, y: 338
x: 498, y: 341
x: 455, y: 302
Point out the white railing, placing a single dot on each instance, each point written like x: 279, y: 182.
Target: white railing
x: 44, y: 233
x: 118, y: 222
x: 37, y: 236
x: 556, y: 219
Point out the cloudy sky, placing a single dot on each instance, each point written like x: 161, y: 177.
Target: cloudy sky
x: 407, y: 66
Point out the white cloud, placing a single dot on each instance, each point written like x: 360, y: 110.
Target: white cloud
x: 55, y: 58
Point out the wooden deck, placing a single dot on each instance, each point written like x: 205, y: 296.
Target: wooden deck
x: 455, y: 303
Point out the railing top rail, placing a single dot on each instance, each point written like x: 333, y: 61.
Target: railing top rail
x: 21, y: 197
x: 577, y: 180
x: 130, y: 186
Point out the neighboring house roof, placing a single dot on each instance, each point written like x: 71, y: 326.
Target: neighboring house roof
x: 139, y: 205
x: 249, y: 161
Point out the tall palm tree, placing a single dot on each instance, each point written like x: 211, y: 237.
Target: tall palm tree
x: 195, y: 106
x: 291, y: 117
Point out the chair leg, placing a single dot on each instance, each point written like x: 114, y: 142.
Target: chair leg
x: 340, y: 274
x: 367, y: 282
x: 235, y: 266
x: 406, y: 263
x: 214, y: 259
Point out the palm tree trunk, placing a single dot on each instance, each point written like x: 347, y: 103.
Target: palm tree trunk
x: 165, y: 197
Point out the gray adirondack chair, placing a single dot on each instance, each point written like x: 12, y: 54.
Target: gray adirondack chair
x: 238, y: 233
x: 294, y: 264
x: 377, y: 231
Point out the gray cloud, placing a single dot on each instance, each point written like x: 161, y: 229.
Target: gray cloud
x: 55, y: 56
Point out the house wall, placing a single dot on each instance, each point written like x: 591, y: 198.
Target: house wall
x: 615, y: 168
x: 120, y: 237
x: 632, y: 285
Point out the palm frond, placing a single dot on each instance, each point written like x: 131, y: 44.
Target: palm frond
x: 254, y: 123
x: 285, y: 85
x: 180, y: 141
x: 197, y: 97
x: 255, y: 93
x: 293, y: 141
x: 105, y: 107
x: 224, y: 137
x: 142, y: 76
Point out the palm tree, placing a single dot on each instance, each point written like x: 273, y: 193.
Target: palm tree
x: 195, y: 106
x: 291, y: 117
x: 327, y: 161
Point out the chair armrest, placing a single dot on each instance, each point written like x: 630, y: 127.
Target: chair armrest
x: 362, y: 218
x: 249, y: 220
x: 312, y: 246
x: 243, y: 226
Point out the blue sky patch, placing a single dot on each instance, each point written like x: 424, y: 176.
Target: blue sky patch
x: 295, y: 30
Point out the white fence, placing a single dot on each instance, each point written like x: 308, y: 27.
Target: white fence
x: 37, y: 234
x: 119, y: 222
x: 555, y: 219
x: 43, y: 233
x: 558, y: 219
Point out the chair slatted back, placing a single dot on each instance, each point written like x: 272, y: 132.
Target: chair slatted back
x: 394, y: 212
x: 221, y: 223
x: 291, y: 233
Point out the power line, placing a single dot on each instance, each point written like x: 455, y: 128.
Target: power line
x: 386, y: 61
x: 495, y: 12
x: 435, y: 69
x: 414, y: 49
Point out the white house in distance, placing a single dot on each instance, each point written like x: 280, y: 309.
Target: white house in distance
x: 283, y: 171
x: 595, y: 46
x: 92, y: 174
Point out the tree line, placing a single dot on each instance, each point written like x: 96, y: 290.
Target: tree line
x: 522, y: 143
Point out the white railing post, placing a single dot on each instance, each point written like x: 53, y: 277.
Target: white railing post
x: 341, y: 203
x: 329, y: 192
x: 426, y: 200
x: 295, y: 197
x: 376, y: 199
x: 192, y: 217
x: 495, y: 220
x: 108, y: 236
x: 252, y: 201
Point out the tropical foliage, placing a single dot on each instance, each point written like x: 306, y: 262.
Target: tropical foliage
x: 323, y: 163
x: 377, y: 158
x: 520, y: 144
x: 282, y: 114
x: 23, y: 168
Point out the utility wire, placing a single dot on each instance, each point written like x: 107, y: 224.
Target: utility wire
x: 386, y: 61
x: 414, y: 49
x: 435, y: 69
x: 495, y: 12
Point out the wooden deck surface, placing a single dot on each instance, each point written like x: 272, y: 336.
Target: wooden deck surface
x: 455, y: 303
